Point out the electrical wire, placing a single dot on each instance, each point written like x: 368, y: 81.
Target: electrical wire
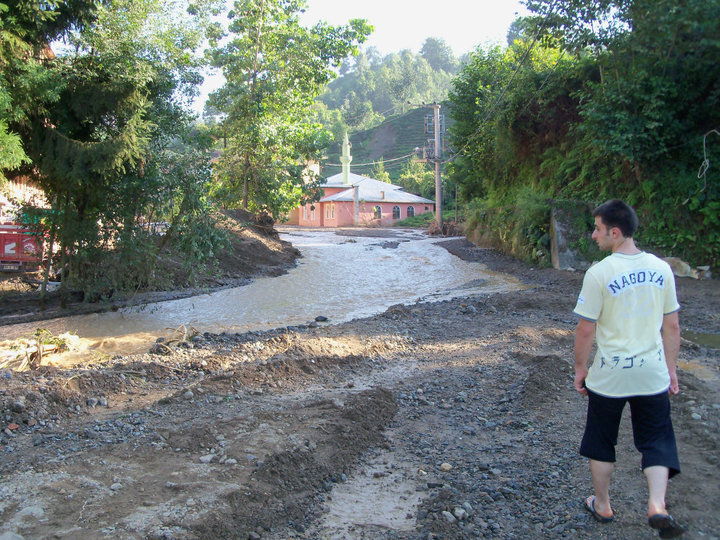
x: 507, y: 87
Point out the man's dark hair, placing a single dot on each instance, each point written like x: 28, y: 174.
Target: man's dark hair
x: 616, y: 213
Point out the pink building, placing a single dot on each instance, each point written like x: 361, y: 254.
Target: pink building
x: 355, y: 200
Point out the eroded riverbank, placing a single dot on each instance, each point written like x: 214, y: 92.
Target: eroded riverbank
x: 460, y: 412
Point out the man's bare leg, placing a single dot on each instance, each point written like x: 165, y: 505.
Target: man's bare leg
x: 657, y: 479
x: 601, y: 472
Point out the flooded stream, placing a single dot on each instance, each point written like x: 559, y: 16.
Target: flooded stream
x: 339, y: 277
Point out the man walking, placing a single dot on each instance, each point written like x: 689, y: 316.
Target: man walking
x: 628, y: 305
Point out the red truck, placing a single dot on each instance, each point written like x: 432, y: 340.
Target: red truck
x: 19, y: 248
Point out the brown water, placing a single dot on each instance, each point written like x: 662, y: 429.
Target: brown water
x: 339, y: 277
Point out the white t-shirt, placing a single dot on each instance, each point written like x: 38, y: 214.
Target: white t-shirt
x: 627, y: 296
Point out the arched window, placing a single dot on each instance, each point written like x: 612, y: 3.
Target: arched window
x: 332, y: 210
x: 377, y: 213
x: 410, y: 211
x: 396, y: 212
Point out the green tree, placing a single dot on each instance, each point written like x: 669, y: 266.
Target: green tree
x: 439, y: 55
x: 96, y: 138
x: 612, y: 100
x: 274, y: 69
x: 417, y: 178
x: 379, y: 172
x: 26, y: 29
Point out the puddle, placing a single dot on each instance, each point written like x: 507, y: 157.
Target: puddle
x: 711, y: 341
x: 384, y: 495
x: 341, y: 277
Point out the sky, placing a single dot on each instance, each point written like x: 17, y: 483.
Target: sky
x: 405, y: 24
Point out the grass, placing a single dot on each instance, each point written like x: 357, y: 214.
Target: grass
x: 423, y: 221
x: 397, y: 136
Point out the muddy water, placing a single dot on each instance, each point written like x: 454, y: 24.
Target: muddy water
x: 339, y: 277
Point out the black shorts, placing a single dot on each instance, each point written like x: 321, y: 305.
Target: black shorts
x: 652, y: 429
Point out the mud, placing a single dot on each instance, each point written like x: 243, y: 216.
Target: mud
x: 452, y: 419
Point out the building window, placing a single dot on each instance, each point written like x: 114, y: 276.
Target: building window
x: 312, y: 213
x: 377, y: 213
x: 426, y: 208
x: 410, y: 211
x: 332, y: 210
x: 305, y: 212
x: 396, y: 212
x: 327, y: 211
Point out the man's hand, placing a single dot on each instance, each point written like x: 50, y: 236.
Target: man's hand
x: 674, y: 386
x: 580, y: 375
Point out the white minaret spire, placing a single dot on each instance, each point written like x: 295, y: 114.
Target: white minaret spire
x: 345, y: 159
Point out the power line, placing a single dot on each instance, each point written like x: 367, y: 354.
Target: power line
x: 507, y: 87
x: 373, y: 162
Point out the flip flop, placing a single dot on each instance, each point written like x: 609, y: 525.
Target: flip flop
x: 590, y: 507
x: 666, y: 525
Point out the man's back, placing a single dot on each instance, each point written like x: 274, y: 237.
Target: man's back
x: 627, y: 295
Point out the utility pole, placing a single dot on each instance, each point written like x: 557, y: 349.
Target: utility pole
x: 438, y: 182
x: 437, y: 131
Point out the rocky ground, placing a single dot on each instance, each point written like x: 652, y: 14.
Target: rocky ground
x: 455, y: 419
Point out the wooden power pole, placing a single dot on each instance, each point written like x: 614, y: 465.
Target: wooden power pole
x: 438, y: 182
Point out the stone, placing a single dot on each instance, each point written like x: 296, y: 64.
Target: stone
x: 207, y: 458
x: 17, y: 406
x: 459, y: 513
x: 448, y: 517
x: 704, y: 272
x: 188, y: 395
x: 446, y: 467
x: 563, y: 235
x: 117, y: 486
x: 34, y: 511
x: 680, y: 268
x: 11, y: 536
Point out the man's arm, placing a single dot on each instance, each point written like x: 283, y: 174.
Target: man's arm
x: 584, y: 337
x: 671, y: 344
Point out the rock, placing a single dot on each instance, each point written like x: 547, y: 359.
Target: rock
x: 92, y: 402
x: 160, y: 349
x: 207, y: 458
x: 231, y: 461
x: 117, y: 486
x: 459, y: 513
x: 11, y: 536
x: 35, y: 511
x: 696, y: 416
x: 321, y: 318
x: 102, y: 402
x: 446, y: 467
x: 448, y: 517
x: 17, y: 406
x: 704, y: 272
x: 680, y: 268
x: 566, y: 228
x: 188, y: 395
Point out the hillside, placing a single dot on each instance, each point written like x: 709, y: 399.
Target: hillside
x: 397, y: 136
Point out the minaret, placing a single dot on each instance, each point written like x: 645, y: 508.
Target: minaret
x: 345, y: 159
